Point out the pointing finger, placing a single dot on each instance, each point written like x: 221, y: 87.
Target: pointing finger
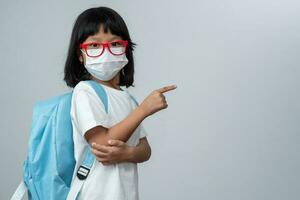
x: 167, y: 88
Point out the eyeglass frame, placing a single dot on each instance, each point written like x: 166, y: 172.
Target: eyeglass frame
x: 105, y: 44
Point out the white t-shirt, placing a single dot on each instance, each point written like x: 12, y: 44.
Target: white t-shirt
x: 104, y: 182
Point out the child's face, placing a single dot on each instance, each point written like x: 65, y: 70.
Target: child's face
x: 99, y: 37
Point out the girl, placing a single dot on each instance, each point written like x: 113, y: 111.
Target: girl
x: 101, y: 50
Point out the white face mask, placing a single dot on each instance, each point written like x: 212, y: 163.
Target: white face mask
x: 106, y: 66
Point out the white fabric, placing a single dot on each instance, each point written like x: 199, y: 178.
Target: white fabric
x: 110, y: 182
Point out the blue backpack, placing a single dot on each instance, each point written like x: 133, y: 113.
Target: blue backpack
x: 50, y: 163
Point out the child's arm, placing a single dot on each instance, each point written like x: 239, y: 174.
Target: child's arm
x: 119, y: 152
x: 120, y: 131
x: 139, y: 153
x: 124, y: 129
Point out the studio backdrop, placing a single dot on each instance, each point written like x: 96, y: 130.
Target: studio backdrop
x: 231, y: 130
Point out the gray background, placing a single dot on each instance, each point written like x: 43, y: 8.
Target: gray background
x: 231, y: 130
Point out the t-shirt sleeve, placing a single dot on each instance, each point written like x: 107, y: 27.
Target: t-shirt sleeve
x: 143, y: 132
x: 88, y: 111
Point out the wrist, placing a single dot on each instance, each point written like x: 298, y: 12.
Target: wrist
x: 129, y: 155
x: 141, y: 111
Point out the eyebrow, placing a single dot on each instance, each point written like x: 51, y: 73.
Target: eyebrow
x: 99, y: 39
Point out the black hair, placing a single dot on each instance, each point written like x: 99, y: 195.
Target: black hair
x: 87, y: 24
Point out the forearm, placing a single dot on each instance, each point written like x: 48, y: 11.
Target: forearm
x: 139, y: 153
x: 120, y: 131
x: 124, y: 129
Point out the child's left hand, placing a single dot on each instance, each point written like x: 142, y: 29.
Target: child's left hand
x: 117, y: 152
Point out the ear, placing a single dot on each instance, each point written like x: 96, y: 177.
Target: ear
x: 81, y: 59
x: 81, y: 56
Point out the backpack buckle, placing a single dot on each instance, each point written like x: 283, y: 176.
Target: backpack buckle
x: 82, y: 172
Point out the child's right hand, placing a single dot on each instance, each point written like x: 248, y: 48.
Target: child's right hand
x: 156, y: 100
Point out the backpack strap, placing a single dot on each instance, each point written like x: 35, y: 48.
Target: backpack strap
x: 100, y: 92
x: 88, y: 157
x: 20, y: 191
x: 81, y: 174
x: 135, y: 101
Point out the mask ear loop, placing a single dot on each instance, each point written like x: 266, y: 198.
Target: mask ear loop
x: 123, y: 72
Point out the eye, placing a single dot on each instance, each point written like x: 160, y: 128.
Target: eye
x: 116, y: 44
x: 94, y: 46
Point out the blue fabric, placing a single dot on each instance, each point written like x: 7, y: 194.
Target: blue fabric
x: 50, y: 162
x: 89, y: 158
x: 101, y: 93
x: 135, y: 101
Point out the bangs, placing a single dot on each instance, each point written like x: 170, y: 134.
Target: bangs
x: 93, y: 22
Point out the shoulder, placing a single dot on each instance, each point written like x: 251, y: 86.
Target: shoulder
x: 83, y: 92
x: 85, y: 96
x: 82, y: 85
x: 85, y: 89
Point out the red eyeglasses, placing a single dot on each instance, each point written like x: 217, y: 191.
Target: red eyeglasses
x: 95, y: 49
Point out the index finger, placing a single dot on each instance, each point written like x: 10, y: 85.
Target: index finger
x: 102, y: 148
x: 167, y: 88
